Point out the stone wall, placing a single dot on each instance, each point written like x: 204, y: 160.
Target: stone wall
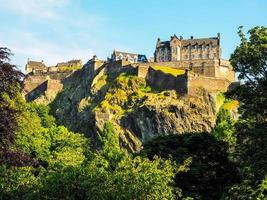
x: 161, y: 81
x: 36, y: 84
x: 209, y: 83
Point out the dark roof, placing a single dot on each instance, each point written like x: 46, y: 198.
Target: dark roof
x: 199, y: 41
x: 124, y: 53
x: 164, y: 44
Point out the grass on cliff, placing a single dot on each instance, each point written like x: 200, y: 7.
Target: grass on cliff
x: 68, y: 68
x: 169, y: 70
x: 124, y: 92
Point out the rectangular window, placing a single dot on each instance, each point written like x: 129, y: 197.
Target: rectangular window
x: 199, y: 55
x: 207, y: 55
x: 192, y: 56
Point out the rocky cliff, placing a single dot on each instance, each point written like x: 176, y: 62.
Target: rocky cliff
x: 137, y: 111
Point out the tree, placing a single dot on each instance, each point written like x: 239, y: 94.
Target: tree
x: 250, y: 61
x: 210, y: 171
x: 10, y: 87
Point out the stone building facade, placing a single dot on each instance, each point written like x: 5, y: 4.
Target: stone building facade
x: 129, y: 57
x: 35, y: 66
x: 179, y: 49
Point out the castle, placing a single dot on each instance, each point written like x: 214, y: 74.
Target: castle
x: 199, y: 59
x: 178, y: 49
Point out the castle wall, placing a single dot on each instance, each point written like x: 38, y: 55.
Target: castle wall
x: 142, y: 71
x: 162, y: 81
x: 35, y: 82
x: 209, y: 83
x: 53, y: 88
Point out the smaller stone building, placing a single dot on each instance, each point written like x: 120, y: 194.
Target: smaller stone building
x: 35, y: 66
x: 129, y: 57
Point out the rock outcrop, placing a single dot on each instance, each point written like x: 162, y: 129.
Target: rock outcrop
x: 137, y: 111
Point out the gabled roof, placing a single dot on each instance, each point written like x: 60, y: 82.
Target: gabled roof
x: 200, y: 41
x: 124, y: 53
x: 36, y: 64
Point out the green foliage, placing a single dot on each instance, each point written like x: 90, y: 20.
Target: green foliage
x: 42, y: 111
x: 37, y: 135
x: 68, y: 170
x: 249, y: 60
x: 224, y: 129
x: 110, y: 145
x: 169, y: 70
x: 16, y: 181
x: 210, y: 169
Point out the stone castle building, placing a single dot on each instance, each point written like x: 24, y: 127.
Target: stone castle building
x: 40, y: 67
x: 179, y: 49
x: 35, y: 66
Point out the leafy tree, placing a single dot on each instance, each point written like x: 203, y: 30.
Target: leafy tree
x: 10, y: 82
x: 124, y: 177
x: 210, y: 171
x: 249, y: 60
x: 251, y: 155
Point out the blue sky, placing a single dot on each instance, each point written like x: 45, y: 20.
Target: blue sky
x: 59, y: 30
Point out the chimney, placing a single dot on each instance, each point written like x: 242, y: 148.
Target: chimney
x: 218, y: 35
x: 158, y: 39
x: 191, y: 37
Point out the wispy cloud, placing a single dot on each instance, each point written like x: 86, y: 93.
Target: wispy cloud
x: 37, y: 8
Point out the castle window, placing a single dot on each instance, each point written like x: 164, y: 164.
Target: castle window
x: 120, y: 57
x: 199, y: 55
x: 203, y: 47
x: 188, y: 47
x: 207, y: 55
x: 195, y: 47
x: 135, y: 59
x: 210, y: 46
x: 192, y: 56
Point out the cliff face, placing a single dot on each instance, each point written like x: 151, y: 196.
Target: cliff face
x: 137, y: 111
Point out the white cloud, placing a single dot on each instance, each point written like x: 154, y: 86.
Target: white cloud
x: 37, y: 8
x: 35, y: 48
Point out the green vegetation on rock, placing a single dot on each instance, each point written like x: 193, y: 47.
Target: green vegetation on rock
x: 169, y: 70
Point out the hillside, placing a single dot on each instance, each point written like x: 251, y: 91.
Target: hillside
x: 137, y: 111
